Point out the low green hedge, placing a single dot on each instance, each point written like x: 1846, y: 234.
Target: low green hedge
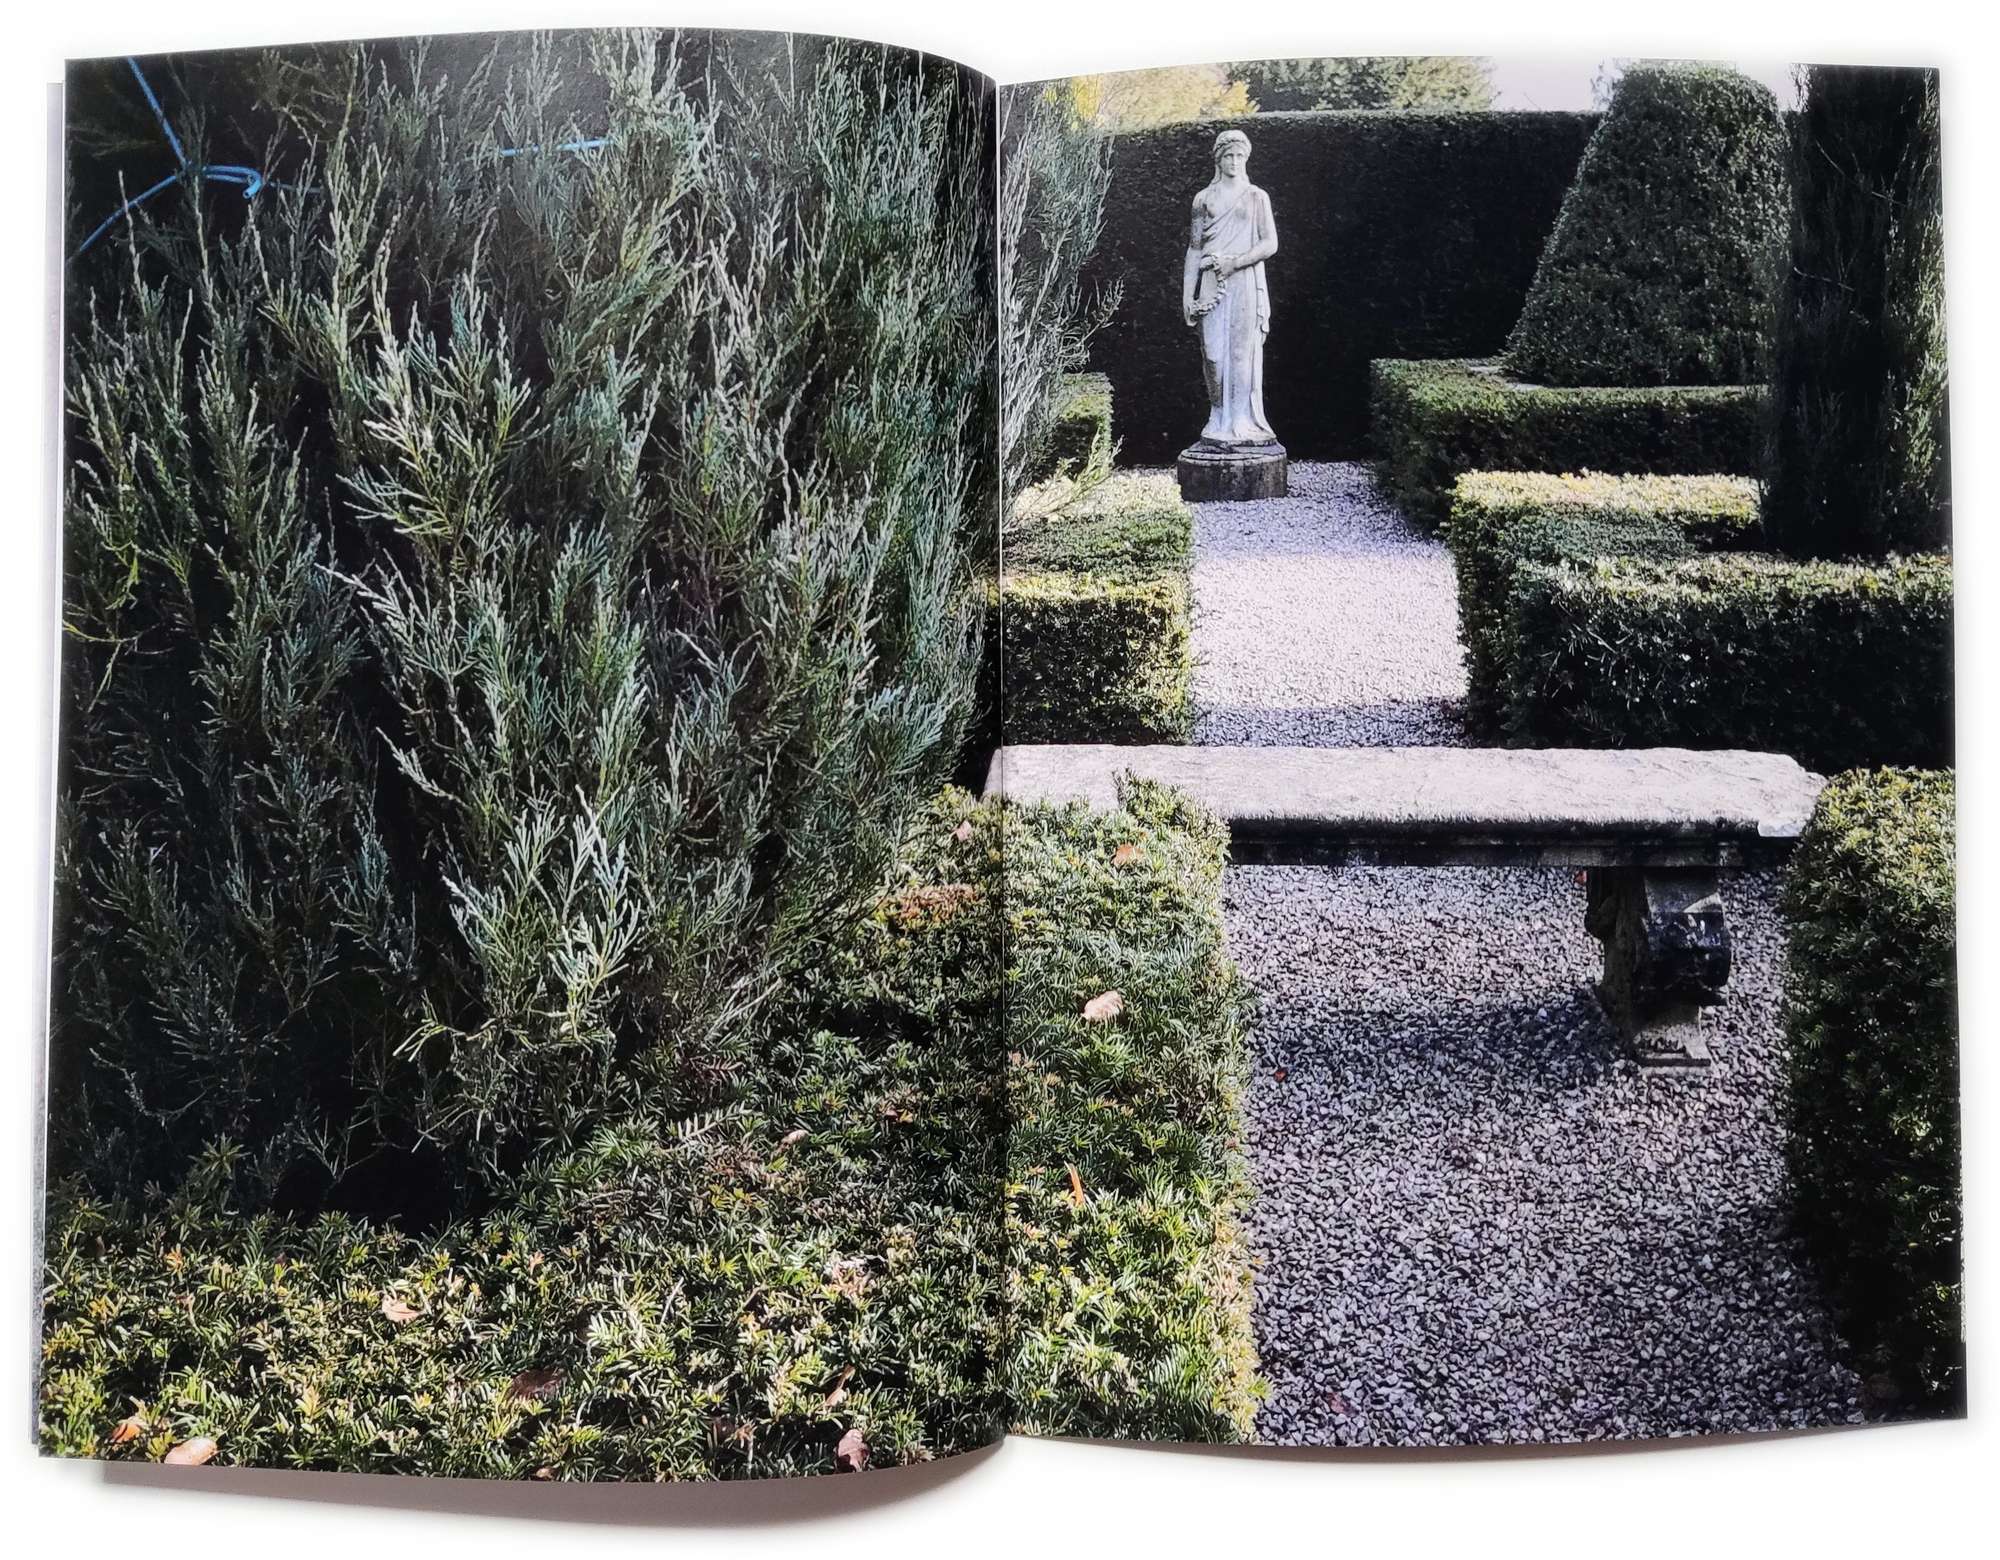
x: 1500, y: 519
x: 1079, y: 444
x: 1841, y: 665
x: 825, y: 1263
x: 724, y: 1297
x: 1129, y: 1290
x: 1093, y: 610
x: 1432, y: 421
x: 1871, y: 1009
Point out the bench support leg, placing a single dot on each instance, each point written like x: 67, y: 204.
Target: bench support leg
x: 1666, y: 957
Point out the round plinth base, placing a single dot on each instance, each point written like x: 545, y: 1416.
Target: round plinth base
x: 1231, y: 473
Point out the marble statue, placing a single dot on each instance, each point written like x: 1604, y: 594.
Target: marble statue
x: 1227, y: 302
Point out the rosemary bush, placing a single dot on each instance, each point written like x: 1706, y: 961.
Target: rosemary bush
x: 513, y: 601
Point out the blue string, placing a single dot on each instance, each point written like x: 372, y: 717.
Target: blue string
x: 252, y: 179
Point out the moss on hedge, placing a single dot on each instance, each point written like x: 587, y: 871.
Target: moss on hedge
x: 1500, y: 519
x: 1079, y: 444
x: 1839, y: 665
x: 1663, y: 264
x: 1433, y: 421
x: 1093, y: 610
x: 1129, y: 1290
x: 1871, y: 1010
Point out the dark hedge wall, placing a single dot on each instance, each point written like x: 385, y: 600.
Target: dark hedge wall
x: 1411, y: 235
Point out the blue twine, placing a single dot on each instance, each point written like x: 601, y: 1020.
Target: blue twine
x: 252, y: 179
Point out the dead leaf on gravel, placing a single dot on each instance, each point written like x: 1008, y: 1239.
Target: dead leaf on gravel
x: 192, y: 1454
x: 1101, y: 1009
x: 852, y: 1453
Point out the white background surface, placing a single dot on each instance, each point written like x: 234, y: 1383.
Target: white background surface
x: 1918, y: 1489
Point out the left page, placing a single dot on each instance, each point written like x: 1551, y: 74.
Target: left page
x: 524, y: 990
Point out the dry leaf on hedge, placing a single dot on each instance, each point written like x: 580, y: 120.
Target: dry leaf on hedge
x: 1127, y: 854
x: 537, y: 1385
x: 192, y: 1454
x: 839, y: 1393
x: 963, y: 831
x: 1103, y: 1008
x: 399, y: 1311
x: 852, y: 1453
x: 796, y: 1135
x: 1075, y: 1185
x: 128, y: 1430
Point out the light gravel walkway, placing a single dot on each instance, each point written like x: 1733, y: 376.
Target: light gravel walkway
x: 1475, y: 1219
x: 1322, y: 619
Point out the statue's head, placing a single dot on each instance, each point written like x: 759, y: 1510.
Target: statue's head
x: 1232, y: 151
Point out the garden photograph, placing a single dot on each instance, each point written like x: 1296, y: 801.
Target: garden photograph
x: 772, y: 760
x: 1519, y: 543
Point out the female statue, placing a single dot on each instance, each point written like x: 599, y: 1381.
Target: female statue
x: 1223, y: 295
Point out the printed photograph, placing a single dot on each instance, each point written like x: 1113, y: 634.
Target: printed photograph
x: 526, y: 990
x: 1488, y: 600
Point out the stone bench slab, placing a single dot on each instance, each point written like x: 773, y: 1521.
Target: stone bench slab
x: 1440, y: 806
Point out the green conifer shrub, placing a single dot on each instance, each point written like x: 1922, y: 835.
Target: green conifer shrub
x: 1858, y: 433
x: 513, y: 602
x: 1662, y: 266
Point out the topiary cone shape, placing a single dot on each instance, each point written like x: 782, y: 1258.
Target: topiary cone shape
x: 1663, y: 264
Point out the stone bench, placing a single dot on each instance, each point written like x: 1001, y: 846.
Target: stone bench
x: 1652, y: 826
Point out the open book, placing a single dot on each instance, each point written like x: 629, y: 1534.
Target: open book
x: 773, y: 760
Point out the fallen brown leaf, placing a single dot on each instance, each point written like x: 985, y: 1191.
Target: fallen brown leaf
x: 399, y: 1311
x: 796, y: 1135
x: 537, y: 1385
x: 1126, y: 854
x: 1075, y: 1185
x: 852, y: 1452
x: 1101, y: 1009
x: 963, y: 831
x: 1279, y: 1074
x: 838, y: 1394
x: 192, y: 1454
x: 128, y: 1430
x: 545, y: 1473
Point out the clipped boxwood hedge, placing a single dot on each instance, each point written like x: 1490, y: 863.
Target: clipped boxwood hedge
x: 723, y: 1297
x: 1871, y: 1009
x: 740, y: 1294
x: 1664, y: 263
x: 1079, y: 444
x: 1842, y: 665
x: 1129, y: 1287
x: 1093, y: 618
x: 1433, y: 421
x: 1500, y: 519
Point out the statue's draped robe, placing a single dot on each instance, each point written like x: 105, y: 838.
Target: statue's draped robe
x: 1232, y: 333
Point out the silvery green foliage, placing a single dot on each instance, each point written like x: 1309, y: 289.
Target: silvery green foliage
x: 512, y: 601
x: 1055, y: 170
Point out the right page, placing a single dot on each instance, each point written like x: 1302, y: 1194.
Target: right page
x: 1476, y: 672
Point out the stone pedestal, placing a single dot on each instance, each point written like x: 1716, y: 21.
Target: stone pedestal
x: 1666, y: 957
x: 1212, y: 473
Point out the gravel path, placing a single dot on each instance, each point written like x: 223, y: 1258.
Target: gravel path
x: 1323, y: 619
x: 1475, y: 1220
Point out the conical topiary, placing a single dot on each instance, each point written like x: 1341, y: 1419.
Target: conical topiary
x: 1663, y: 263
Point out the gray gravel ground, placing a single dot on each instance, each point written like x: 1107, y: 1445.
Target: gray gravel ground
x: 1475, y: 1219
x: 1323, y: 619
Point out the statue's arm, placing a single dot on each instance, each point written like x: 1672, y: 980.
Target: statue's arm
x: 1191, y: 266
x: 1267, y: 234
